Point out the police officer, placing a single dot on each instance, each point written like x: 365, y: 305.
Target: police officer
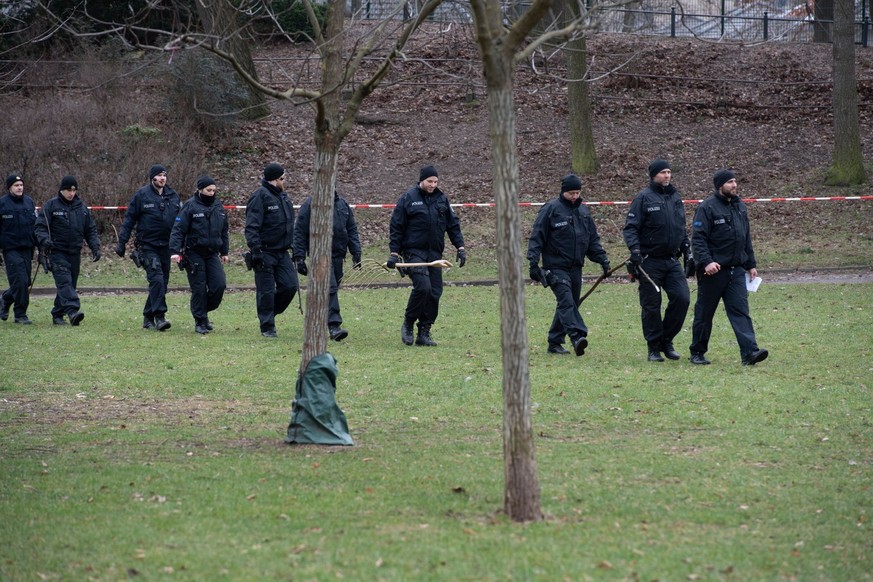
x: 61, y: 227
x: 722, y: 244
x: 655, y: 234
x: 345, y: 240
x: 17, y: 219
x: 199, y: 242
x: 419, y: 223
x: 153, y: 211
x: 269, y: 234
x: 564, y: 234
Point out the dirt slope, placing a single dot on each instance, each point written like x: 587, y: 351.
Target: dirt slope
x: 763, y: 110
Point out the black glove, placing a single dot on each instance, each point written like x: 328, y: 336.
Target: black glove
x: 636, y: 259
x: 257, y: 259
x: 119, y: 250
x: 48, y: 246
x: 605, y: 267
x: 392, y: 261
x: 690, y: 266
x: 356, y: 262
x: 462, y: 257
x: 46, y: 262
x: 95, y: 256
x: 301, y: 267
x: 633, y: 264
x: 535, y: 273
x: 685, y: 247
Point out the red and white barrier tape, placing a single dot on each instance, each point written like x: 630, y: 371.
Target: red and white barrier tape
x: 601, y: 203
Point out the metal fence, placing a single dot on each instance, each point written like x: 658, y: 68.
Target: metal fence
x: 732, y: 20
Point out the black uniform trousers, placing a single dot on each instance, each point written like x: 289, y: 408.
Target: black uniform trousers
x: 427, y: 288
x: 156, y: 261
x: 728, y: 285
x: 207, y: 280
x: 65, y: 270
x: 334, y: 319
x: 18, y: 263
x: 669, y: 275
x: 275, y: 284
x: 566, y: 285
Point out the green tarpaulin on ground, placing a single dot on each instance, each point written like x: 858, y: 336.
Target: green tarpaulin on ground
x: 315, y: 417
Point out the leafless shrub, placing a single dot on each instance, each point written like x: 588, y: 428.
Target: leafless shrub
x: 73, y: 118
x: 207, y: 91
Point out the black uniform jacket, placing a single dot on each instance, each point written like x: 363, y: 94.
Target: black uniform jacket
x: 17, y: 218
x: 269, y: 219
x: 656, y: 222
x: 66, y: 225
x: 720, y: 233
x: 201, y: 226
x: 153, y: 214
x: 345, y: 230
x: 564, y: 233
x: 420, y: 222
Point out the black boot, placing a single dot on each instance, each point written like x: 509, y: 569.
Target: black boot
x: 162, y: 324
x: 424, y: 338
x: 655, y: 356
x: 200, y: 326
x: 670, y: 351
x: 148, y: 323
x: 337, y: 333
x: 406, y: 332
x: 76, y: 318
x: 755, y: 357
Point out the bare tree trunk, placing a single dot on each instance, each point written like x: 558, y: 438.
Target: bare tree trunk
x: 320, y: 241
x: 847, y: 166
x: 583, y: 154
x: 824, y: 16
x: 328, y: 138
x: 221, y: 18
x: 521, y: 498
x: 631, y: 21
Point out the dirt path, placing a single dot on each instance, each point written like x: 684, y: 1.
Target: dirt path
x: 783, y: 277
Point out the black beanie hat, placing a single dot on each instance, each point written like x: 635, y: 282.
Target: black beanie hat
x: 12, y: 179
x: 570, y: 182
x: 155, y: 170
x: 427, y: 172
x: 204, y: 181
x: 722, y: 177
x: 658, y: 166
x: 273, y: 171
x: 68, y: 182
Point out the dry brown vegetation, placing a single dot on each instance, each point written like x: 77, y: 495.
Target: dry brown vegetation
x: 761, y: 109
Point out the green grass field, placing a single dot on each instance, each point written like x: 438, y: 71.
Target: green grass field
x: 129, y: 454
